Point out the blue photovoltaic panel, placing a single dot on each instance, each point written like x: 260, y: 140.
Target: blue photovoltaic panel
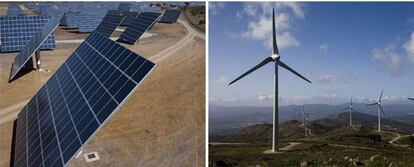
x: 129, y: 17
x: 88, y: 22
x: 137, y: 27
x: 135, y: 7
x: 76, y: 101
x: 14, y: 10
x: 150, y: 9
x: 32, y: 46
x: 124, y: 6
x: 49, y: 10
x: 170, y: 16
x: 71, y: 20
x: 109, y: 23
x: 16, y: 31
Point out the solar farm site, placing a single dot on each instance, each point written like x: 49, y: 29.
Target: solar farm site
x: 96, y: 101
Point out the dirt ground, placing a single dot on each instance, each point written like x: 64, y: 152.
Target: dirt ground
x: 162, y: 124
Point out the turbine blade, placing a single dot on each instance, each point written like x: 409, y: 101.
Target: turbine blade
x: 381, y: 109
x: 410, y: 98
x: 265, y: 61
x: 382, y: 91
x: 275, y: 49
x: 372, y: 104
x: 293, y: 71
x: 353, y: 110
x: 346, y: 108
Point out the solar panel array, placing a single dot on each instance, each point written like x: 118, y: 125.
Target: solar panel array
x: 170, y: 16
x: 129, y: 17
x: 32, y: 46
x: 14, y: 10
x: 124, y: 6
x: 109, y: 23
x: 16, y: 31
x: 49, y: 10
x: 70, y: 20
x: 150, y: 9
x: 141, y: 24
x: 88, y: 22
x: 76, y: 101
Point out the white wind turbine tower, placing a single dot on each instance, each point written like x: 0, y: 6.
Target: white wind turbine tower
x: 277, y: 62
x: 379, y: 110
x: 350, y: 109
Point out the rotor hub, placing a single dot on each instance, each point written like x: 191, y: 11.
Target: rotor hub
x: 275, y: 56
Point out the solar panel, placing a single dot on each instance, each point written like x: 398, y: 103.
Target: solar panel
x: 150, y: 9
x: 170, y: 16
x: 124, y: 6
x: 32, y: 46
x: 16, y: 31
x: 129, y: 17
x: 137, y: 27
x: 14, y: 10
x: 49, y: 10
x: 88, y: 22
x: 71, y: 20
x: 109, y: 23
x: 77, y: 101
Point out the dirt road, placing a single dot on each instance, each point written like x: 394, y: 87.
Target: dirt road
x: 397, y: 137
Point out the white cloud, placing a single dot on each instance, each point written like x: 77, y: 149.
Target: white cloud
x: 392, y: 61
x: 326, y: 78
x: 348, y: 79
x: 214, y: 99
x: 215, y: 7
x: 409, y: 48
x: 330, y: 78
x: 260, y: 25
x: 323, y: 48
x: 265, y: 97
x: 222, y: 80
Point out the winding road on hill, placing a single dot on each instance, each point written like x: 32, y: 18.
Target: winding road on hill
x: 397, y: 137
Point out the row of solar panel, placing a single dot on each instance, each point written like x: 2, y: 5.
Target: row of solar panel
x: 48, y: 8
x: 16, y: 31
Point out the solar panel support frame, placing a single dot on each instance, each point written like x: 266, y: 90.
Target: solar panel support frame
x: 38, y: 63
x: 27, y: 64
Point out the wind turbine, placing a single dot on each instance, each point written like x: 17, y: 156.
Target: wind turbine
x: 378, y: 103
x: 410, y: 98
x: 277, y: 62
x: 305, y: 121
x: 350, y: 109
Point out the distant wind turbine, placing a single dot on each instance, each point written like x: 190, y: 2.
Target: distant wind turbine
x: 276, y: 59
x: 350, y: 109
x: 305, y: 121
x: 378, y: 103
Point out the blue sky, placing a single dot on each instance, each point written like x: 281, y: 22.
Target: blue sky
x: 345, y: 49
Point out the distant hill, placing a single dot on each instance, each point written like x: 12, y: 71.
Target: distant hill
x: 365, y: 120
x: 292, y: 129
x: 230, y: 120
